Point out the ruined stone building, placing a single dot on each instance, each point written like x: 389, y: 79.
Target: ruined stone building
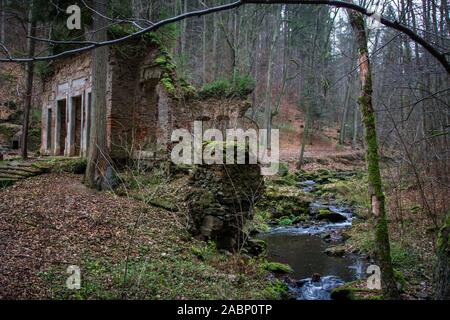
x: 145, y: 102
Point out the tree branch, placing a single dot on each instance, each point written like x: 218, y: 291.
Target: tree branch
x: 336, y: 3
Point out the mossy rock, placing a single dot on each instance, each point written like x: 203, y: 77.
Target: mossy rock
x: 283, y: 201
x: 277, y: 267
x: 326, y: 214
x: 290, y: 220
x: 162, y: 203
x: 285, y: 221
x: 355, y: 290
x: 342, y: 293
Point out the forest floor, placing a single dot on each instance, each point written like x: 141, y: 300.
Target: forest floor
x: 124, y: 248
x: 132, y: 244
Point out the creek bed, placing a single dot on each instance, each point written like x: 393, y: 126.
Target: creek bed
x: 303, y: 249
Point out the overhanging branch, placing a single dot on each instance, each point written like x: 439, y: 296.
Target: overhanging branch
x: 335, y: 3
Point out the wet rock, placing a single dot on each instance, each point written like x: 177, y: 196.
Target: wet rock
x: 315, y: 277
x: 342, y: 293
x: 326, y: 214
x: 335, y: 251
x: 326, y: 236
x: 283, y: 201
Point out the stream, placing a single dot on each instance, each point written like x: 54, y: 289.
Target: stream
x: 303, y: 249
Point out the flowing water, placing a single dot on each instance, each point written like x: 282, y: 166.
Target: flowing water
x: 303, y: 249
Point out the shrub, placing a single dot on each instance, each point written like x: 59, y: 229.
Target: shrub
x: 217, y: 88
x: 276, y: 290
x: 240, y: 86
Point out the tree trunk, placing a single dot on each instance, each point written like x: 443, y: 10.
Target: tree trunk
x: 383, y: 254
x: 30, y: 76
x: 204, y: 55
x: 355, y: 126
x: 305, y: 135
x: 443, y: 265
x: 268, y: 95
x: 344, y: 114
x: 2, y: 21
x: 98, y: 156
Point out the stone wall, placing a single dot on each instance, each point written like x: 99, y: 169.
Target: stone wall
x: 70, y: 77
x: 141, y: 113
x: 221, y: 200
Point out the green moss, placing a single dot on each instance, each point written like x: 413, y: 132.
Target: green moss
x: 355, y: 290
x: 342, y: 293
x: 443, y: 239
x: 167, y: 83
x: 400, y: 280
x: 240, y: 86
x: 287, y: 180
x: 402, y: 257
x: 70, y: 165
x: 165, y: 62
x: 276, y: 290
x: 162, y: 203
x: 285, y: 221
x: 259, y: 221
x: 277, y: 267
x: 283, y: 169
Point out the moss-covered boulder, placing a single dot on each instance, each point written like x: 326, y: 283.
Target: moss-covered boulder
x: 277, y: 267
x: 284, y: 201
x: 328, y: 215
x: 355, y: 290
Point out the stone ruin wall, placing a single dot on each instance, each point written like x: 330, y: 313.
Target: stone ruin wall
x: 141, y: 114
x: 61, y: 85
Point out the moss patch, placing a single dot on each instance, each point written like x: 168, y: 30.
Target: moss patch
x: 277, y: 267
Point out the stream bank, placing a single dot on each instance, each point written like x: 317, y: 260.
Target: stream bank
x: 306, y: 230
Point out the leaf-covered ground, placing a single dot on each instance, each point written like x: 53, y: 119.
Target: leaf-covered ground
x: 124, y: 248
